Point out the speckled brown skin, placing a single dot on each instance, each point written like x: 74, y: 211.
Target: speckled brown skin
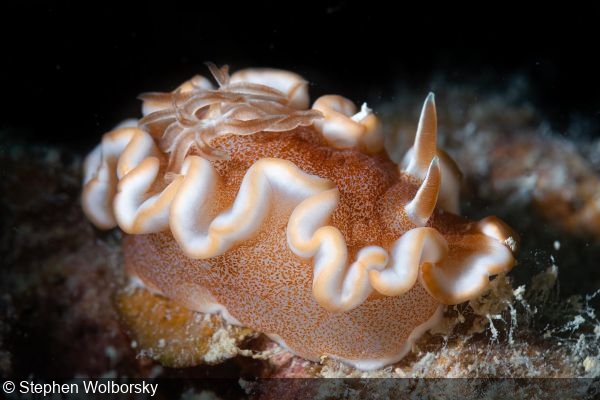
x: 265, y: 286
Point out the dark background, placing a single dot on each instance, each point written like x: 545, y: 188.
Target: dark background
x: 69, y: 72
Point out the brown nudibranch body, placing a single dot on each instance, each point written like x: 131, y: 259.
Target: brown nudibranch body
x: 239, y: 199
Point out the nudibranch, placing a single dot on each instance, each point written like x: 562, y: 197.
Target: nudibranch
x: 241, y: 200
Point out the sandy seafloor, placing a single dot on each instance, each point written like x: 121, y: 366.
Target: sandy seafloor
x: 66, y: 309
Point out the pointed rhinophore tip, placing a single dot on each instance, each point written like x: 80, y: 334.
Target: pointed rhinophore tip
x: 425, y: 146
x: 423, y: 204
